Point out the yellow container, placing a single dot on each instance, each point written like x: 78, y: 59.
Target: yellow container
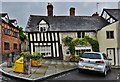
x: 35, y: 63
x: 19, y: 65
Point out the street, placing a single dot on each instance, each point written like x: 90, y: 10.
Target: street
x: 75, y: 75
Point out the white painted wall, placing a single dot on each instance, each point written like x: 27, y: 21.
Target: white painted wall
x: 108, y: 43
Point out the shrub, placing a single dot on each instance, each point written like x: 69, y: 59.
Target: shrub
x: 74, y: 58
x: 36, y: 55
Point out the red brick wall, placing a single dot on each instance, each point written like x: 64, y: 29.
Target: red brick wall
x: 10, y: 39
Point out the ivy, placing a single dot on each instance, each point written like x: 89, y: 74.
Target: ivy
x: 71, y: 43
x: 94, y: 43
x: 67, y: 41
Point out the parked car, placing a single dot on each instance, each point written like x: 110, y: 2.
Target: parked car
x: 95, y: 61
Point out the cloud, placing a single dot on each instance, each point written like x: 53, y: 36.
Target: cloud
x: 22, y: 10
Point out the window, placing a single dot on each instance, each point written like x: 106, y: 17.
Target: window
x: 45, y: 50
x: 6, y: 46
x: 79, y: 52
x: 91, y: 56
x: 110, y: 34
x: 81, y: 34
x: 15, y: 46
x: 15, y: 34
x: 67, y: 52
x: 6, y: 31
x: 43, y: 26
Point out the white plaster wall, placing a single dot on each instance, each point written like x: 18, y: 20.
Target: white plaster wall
x: 92, y: 35
x: 108, y: 43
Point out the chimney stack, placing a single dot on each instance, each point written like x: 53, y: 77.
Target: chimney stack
x: 95, y: 14
x: 50, y: 9
x: 72, y: 11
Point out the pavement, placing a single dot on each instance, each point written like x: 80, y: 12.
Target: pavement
x: 50, y: 67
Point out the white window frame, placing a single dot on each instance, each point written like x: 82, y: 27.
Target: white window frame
x: 43, y: 25
x: 82, y: 48
x: 44, y: 49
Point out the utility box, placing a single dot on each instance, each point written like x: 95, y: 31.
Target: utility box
x: 19, y: 65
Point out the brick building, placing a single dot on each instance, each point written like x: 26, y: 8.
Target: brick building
x: 9, y: 35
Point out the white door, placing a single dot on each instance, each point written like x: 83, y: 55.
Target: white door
x: 111, y: 55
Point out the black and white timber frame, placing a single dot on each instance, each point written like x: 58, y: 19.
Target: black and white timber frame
x: 44, y: 39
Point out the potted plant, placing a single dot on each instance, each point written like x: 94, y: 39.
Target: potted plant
x: 36, y: 59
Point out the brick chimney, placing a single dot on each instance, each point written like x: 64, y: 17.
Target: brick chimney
x: 50, y: 9
x: 95, y: 14
x: 72, y: 11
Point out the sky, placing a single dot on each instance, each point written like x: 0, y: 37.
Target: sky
x: 22, y: 10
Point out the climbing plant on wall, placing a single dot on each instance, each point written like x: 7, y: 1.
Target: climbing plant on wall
x: 71, y: 43
x: 93, y: 43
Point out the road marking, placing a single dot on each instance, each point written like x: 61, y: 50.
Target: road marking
x: 117, y: 77
x: 62, y: 75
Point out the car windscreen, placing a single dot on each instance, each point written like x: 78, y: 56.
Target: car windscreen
x: 91, y: 55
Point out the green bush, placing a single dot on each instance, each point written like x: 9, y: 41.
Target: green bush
x: 36, y: 55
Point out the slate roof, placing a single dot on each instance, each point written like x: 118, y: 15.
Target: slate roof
x: 67, y: 23
x: 115, y: 13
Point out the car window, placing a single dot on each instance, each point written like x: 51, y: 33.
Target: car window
x: 105, y: 56
x: 91, y: 56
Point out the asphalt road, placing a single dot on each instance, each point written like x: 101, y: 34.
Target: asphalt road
x: 86, y: 75
x: 75, y: 76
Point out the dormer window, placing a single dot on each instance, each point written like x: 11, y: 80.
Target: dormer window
x: 43, y: 26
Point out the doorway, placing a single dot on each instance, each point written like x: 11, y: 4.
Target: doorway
x: 111, y: 55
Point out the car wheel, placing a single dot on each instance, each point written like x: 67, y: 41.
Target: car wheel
x: 105, y: 73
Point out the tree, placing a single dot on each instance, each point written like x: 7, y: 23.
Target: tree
x: 23, y: 37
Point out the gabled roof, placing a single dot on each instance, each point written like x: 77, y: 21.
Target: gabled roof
x: 115, y: 13
x: 67, y: 23
x: 3, y: 14
x: 12, y: 20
